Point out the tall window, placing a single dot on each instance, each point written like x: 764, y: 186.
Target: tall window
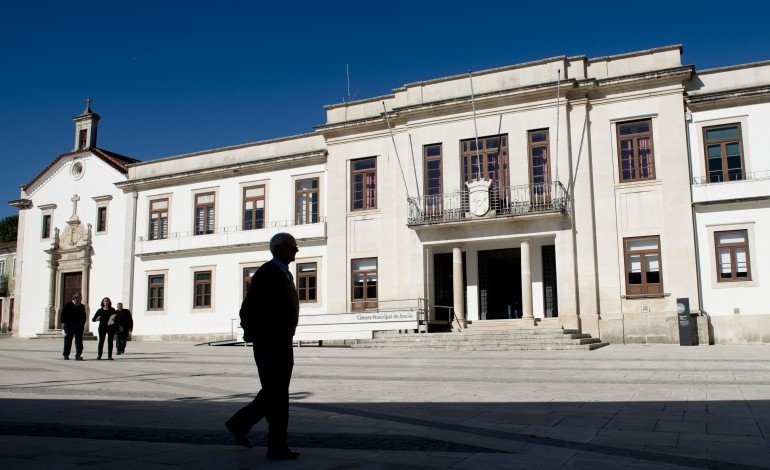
x: 248, y: 273
x: 364, y: 276
x: 643, y: 273
x: 307, y: 282
x: 307, y: 201
x: 489, y: 162
x: 253, y: 207
x: 732, y: 256
x: 635, y: 149
x: 156, y: 291
x: 539, y: 174
x: 363, y: 184
x: 724, y: 153
x: 202, y: 289
x: 433, y: 180
x: 101, y: 219
x: 204, y: 214
x: 46, y: 229
x: 158, y: 219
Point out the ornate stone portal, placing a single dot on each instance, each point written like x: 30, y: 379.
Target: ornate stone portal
x: 70, y: 253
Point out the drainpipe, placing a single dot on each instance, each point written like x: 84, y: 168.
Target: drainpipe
x: 133, y: 250
x: 687, y: 121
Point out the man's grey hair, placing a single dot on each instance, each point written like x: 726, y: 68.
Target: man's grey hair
x: 76, y: 295
x: 279, y: 239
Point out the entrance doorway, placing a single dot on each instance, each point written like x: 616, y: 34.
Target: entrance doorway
x: 550, y: 299
x: 71, y: 284
x: 499, y: 284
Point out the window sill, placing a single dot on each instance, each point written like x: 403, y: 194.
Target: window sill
x: 645, y: 296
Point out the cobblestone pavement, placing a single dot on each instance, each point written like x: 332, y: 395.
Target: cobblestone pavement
x: 162, y: 405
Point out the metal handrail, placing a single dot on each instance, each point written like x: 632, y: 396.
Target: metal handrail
x: 233, y: 228
x: 754, y: 175
x: 504, y: 201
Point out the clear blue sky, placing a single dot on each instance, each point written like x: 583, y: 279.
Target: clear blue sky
x: 172, y: 77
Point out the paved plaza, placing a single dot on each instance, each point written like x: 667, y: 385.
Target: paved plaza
x: 163, y: 405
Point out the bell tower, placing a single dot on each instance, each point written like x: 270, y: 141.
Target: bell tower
x: 85, y: 128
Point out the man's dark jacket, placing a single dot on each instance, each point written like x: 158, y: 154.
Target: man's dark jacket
x: 125, y: 320
x: 74, y: 316
x: 270, y: 311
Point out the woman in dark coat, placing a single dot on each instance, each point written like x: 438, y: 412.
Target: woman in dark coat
x: 105, y: 329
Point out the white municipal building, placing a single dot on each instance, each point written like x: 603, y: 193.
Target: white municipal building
x: 590, y: 193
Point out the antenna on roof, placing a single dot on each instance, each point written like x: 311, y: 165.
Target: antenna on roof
x: 347, y: 73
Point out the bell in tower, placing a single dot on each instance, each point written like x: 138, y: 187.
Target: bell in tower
x: 85, y: 128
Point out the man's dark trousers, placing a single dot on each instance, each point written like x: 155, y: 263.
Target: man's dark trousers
x: 68, y: 334
x: 275, y: 364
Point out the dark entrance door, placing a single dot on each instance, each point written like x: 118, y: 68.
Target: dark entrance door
x: 71, y: 284
x: 500, y: 284
x: 443, y: 286
x: 10, y: 316
x: 550, y: 299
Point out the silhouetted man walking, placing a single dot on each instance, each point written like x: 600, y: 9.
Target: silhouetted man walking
x: 269, y: 316
x: 73, y: 320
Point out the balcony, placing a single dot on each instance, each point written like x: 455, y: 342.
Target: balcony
x: 754, y: 186
x: 504, y: 202
x: 228, y: 237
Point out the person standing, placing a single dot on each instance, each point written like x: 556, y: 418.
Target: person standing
x: 73, y: 322
x: 103, y: 315
x: 269, y: 315
x: 125, y: 325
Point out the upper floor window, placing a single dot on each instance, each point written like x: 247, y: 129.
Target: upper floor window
x: 364, y: 277
x: 307, y: 282
x: 363, y: 182
x: 204, y: 213
x: 307, y: 198
x: 635, y: 150
x: 253, y: 207
x: 101, y: 219
x: 643, y: 273
x: 46, y: 226
x: 158, y: 228
x: 732, y: 256
x: 488, y: 162
x: 202, y: 289
x: 724, y: 153
x: 156, y: 286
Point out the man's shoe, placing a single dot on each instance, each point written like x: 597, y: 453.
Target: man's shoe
x: 240, y: 437
x: 66, y: 358
x: 79, y: 358
x: 109, y: 358
x: 284, y: 454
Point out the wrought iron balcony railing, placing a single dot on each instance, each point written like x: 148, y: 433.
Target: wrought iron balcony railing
x: 719, y: 177
x: 504, y: 201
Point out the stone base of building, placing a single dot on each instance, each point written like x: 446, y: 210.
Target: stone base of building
x: 184, y: 338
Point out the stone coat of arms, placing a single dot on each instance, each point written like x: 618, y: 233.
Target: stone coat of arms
x: 478, y: 197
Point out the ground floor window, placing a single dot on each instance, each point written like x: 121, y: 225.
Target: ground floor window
x: 732, y: 255
x: 156, y: 291
x: 307, y: 282
x: 202, y: 291
x: 364, y: 277
x: 643, y: 267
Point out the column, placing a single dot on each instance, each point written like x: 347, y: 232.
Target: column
x: 457, y: 284
x: 51, y: 319
x: 526, y: 284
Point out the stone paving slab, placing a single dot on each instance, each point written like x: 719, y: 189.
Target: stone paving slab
x: 162, y: 405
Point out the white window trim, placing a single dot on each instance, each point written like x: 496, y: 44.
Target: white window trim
x: 191, y: 283
x: 293, y: 195
x: 102, y: 201
x: 318, y: 260
x: 150, y: 200
x: 46, y: 209
x: 711, y: 230
x: 701, y: 155
x: 241, y: 188
x: 194, y: 194
x: 146, y: 292
x: 616, y: 158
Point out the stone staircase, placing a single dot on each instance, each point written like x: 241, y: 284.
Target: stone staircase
x: 57, y: 335
x: 490, y: 335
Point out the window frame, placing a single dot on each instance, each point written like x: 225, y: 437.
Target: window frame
x: 365, y: 204
x: 722, y: 143
x: 502, y: 150
x: 307, y: 204
x: 305, y: 299
x: 45, y: 226
x: 246, y: 199
x: 247, y: 279
x: 160, y: 235
x: 101, y: 219
x: 203, y: 283
x: 358, y: 304
x: 152, y: 292
x: 636, y: 158
x: 733, y: 261
x: 204, y: 229
x: 644, y: 289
